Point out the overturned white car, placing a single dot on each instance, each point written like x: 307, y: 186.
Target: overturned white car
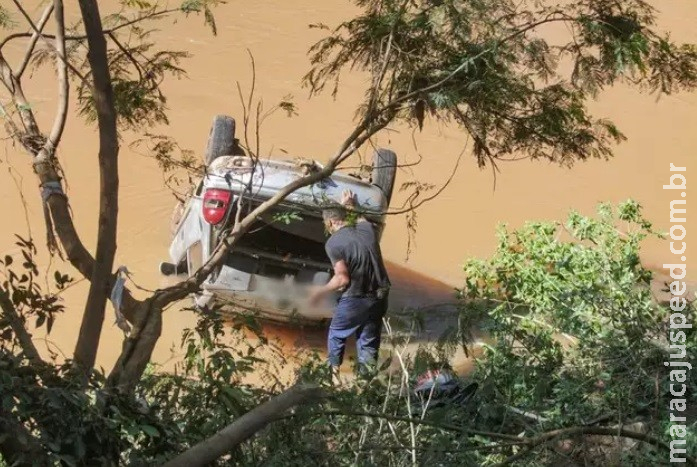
x: 269, y: 270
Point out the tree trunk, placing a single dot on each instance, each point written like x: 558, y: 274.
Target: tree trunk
x: 137, y: 347
x: 245, y: 427
x: 93, y: 318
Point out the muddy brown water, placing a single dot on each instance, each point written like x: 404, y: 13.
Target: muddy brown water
x: 457, y: 225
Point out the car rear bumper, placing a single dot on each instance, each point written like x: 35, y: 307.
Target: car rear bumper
x: 243, y: 303
x: 266, y: 297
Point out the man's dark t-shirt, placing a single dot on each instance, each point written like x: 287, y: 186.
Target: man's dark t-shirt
x: 358, y: 246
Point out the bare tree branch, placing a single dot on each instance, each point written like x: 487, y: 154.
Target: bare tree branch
x: 544, y: 438
x: 45, y: 38
x: 82, y: 37
x: 246, y: 426
x: 137, y: 347
x: 46, y: 156
x: 63, y: 84
x: 14, y: 87
x: 440, y: 190
x: 32, y: 42
x: 128, y: 55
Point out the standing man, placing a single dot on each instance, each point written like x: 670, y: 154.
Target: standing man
x: 359, y: 273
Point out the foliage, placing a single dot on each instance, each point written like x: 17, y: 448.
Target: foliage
x: 498, y: 70
x: 78, y: 424
x: 6, y: 20
x: 137, y: 66
x: 578, y: 334
x: 46, y: 398
x: 25, y: 292
x: 286, y: 217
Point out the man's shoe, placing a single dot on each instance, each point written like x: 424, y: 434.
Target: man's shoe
x: 336, y: 376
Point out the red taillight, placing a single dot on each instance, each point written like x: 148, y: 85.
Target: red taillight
x: 215, y: 204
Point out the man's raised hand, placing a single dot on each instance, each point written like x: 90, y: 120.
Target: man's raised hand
x: 348, y: 198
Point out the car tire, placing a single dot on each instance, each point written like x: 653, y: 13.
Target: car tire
x: 221, y: 139
x: 384, y: 171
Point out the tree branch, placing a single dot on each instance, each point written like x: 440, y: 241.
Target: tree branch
x: 128, y: 55
x: 46, y: 156
x: 101, y: 276
x: 19, y: 35
x: 550, y: 18
x: 420, y: 421
x: 544, y: 438
x: 45, y: 38
x: 32, y: 139
x: 137, y: 347
x: 63, y: 84
x: 440, y: 190
x: 34, y: 39
x: 246, y: 426
x: 23, y: 336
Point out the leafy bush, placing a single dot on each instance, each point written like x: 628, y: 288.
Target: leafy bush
x: 580, y: 338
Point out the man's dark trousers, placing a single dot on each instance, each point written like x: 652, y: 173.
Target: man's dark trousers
x: 362, y: 317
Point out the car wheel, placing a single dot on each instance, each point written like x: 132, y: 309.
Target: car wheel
x: 221, y: 139
x: 384, y: 171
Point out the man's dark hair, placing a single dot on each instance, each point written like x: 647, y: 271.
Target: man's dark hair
x: 334, y: 213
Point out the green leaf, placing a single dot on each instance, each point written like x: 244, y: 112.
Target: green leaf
x: 150, y: 431
x: 141, y: 4
x: 287, y: 217
x: 209, y: 20
x: 191, y: 6
x: 6, y: 20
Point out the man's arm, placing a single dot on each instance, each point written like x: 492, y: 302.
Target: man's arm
x: 338, y: 282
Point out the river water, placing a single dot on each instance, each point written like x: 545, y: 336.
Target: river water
x: 457, y: 225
